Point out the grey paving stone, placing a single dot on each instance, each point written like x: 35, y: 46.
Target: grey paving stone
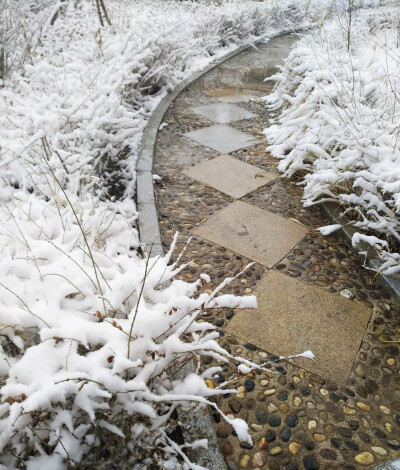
x: 252, y: 232
x: 229, y: 175
x: 222, y: 113
x: 222, y: 138
x: 229, y: 95
x: 294, y: 316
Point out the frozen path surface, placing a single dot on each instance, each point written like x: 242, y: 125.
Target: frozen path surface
x: 218, y: 185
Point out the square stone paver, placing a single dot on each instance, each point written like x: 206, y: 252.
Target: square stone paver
x: 293, y: 317
x: 229, y: 175
x: 222, y: 113
x: 229, y: 95
x: 222, y: 138
x: 252, y: 232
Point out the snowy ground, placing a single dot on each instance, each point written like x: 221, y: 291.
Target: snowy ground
x: 88, y: 327
x: 338, y: 127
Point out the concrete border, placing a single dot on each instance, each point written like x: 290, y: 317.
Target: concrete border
x: 195, y: 424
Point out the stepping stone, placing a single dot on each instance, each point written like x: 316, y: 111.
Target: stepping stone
x: 229, y: 95
x: 229, y: 175
x: 294, y: 316
x: 222, y: 113
x: 252, y: 232
x: 222, y: 138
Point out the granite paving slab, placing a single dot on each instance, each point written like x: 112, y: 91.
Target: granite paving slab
x: 293, y: 317
x: 222, y: 138
x: 230, y: 175
x: 222, y: 113
x: 252, y: 232
x: 229, y: 95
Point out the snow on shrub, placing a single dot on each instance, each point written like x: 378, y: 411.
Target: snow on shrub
x: 338, y: 129
x: 90, y: 335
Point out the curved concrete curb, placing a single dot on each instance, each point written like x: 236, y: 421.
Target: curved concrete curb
x: 195, y: 424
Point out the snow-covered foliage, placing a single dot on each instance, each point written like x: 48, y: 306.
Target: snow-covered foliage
x: 90, y: 330
x: 338, y: 129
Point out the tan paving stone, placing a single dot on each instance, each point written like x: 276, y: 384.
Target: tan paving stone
x: 293, y: 317
x: 222, y: 113
x: 229, y: 175
x: 222, y: 138
x: 229, y: 95
x: 252, y: 232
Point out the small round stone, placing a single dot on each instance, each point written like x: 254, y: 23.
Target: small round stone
x: 385, y: 409
x: 286, y: 435
x: 394, y: 444
x: 312, y: 424
x: 292, y: 421
x: 296, y: 379
x: 209, y: 383
x: 275, y: 450
x: 232, y: 465
x: 283, y: 408
x: 324, y: 392
x: 249, y: 385
x: 264, y: 382
x: 235, y: 405
x: 259, y: 459
x: 391, y: 362
x: 269, y: 392
x: 271, y: 436
x: 365, y: 458
x: 379, y: 450
x: 360, y: 370
x: 329, y: 428
x: 349, y: 411
x: 363, y: 406
x: 389, y: 427
x: 319, y: 437
x: 294, y: 448
x: 310, y: 463
x: 227, y: 450
x: 256, y: 427
x: 274, y: 422
x: 297, y: 401
x: 272, y: 408
x: 261, y: 416
x: 263, y: 444
x: 244, y: 461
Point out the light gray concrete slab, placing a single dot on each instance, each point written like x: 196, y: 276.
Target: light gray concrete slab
x: 392, y: 465
x: 222, y: 138
x: 229, y: 95
x: 229, y: 175
x: 222, y: 113
x: 294, y: 316
x: 252, y: 232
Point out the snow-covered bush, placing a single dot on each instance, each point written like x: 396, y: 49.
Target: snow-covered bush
x: 338, y: 127
x: 90, y: 334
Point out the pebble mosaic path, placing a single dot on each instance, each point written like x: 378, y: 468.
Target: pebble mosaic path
x: 218, y: 186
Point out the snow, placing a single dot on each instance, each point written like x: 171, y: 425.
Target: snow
x: 338, y: 121
x: 328, y: 229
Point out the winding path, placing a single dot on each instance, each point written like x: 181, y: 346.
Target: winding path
x: 340, y: 411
